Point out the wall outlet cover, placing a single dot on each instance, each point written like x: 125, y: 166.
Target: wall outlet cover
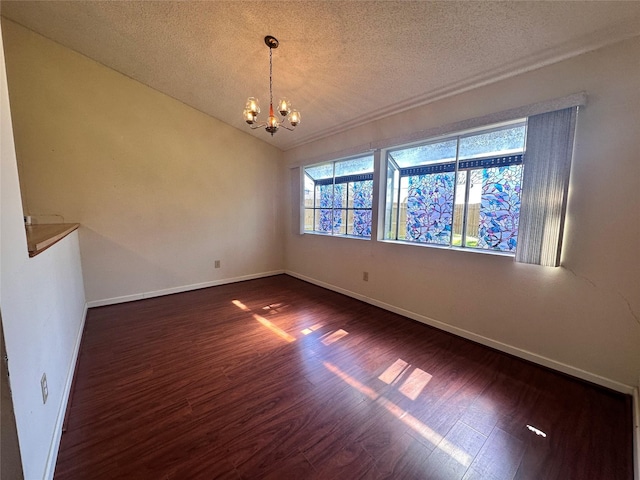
x: 44, y: 387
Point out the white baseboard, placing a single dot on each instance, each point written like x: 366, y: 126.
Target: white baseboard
x: 62, y: 409
x: 636, y: 431
x: 183, y: 288
x: 503, y: 347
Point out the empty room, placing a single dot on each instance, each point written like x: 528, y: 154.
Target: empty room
x: 320, y: 240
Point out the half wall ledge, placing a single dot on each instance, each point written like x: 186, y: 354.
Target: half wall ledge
x: 42, y: 236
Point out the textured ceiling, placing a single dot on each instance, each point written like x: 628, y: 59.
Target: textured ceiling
x: 340, y: 62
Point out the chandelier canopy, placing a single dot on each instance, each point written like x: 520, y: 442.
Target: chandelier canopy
x: 288, y: 119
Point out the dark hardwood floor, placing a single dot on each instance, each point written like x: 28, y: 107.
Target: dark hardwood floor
x: 277, y: 378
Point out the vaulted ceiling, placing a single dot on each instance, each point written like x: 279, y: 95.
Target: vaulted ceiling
x: 341, y: 63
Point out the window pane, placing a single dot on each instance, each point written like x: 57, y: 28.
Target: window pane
x: 327, y: 199
x: 497, y: 142
x: 486, y: 209
x: 403, y: 215
x: 458, y: 213
x: 473, y: 208
x: 324, y: 218
x: 308, y: 192
x: 340, y: 195
x: 331, y: 197
x: 359, y: 223
x: 324, y: 196
x: 426, y: 154
x: 339, y: 222
x: 355, y: 166
x: 391, y: 211
x: 430, y: 208
x: 500, y: 208
x: 319, y: 172
x: 308, y: 219
x: 361, y: 194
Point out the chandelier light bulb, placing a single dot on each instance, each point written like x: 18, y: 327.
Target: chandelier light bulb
x: 249, y: 117
x: 272, y: 125
x: 253, y: 106
x: 284, y: 107
x: 294, y: 118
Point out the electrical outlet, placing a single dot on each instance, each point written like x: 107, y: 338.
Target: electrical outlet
x: 44, y: 387
x: 365, y: 276
x: 217, y: 264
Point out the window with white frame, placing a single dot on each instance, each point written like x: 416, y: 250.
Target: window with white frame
x: 500, y: 188
x: 338, y: 197
x: 461, y: 191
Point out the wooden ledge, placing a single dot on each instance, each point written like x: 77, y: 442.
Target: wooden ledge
x: 42, y: 236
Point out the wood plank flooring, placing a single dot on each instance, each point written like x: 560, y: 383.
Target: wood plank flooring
x: 277, y: 378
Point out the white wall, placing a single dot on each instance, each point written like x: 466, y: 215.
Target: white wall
x: 42, y: 302
x: 161, y: 190
x: 584, y: 317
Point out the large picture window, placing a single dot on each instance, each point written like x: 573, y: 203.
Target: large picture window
x: 338, y: 197
x: 500, y: 187
x: 462, y: 191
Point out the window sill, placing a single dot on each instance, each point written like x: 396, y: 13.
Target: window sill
x: 42, y: 236
x: 320, y: 234
x: 456, y: 249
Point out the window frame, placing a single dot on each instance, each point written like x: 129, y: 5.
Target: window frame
x: 346, y: 180
x: 390, y: 214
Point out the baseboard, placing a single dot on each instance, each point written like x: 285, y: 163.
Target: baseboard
x: 636, y: 431
x: 503, y: 347
x: 62, y: 409
x: 183, y: 288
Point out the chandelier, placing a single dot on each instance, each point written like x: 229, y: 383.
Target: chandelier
x: 288, y: 118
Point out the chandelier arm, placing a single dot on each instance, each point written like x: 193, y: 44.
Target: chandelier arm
x: 284, y: 125
x: 258, y: 125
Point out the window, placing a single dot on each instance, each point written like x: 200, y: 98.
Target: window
x: 501, y: 187
x: 338, y: 197
x: 462, y: 191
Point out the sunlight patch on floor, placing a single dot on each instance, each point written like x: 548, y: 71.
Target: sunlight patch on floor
x: 240, y: 305
x: 427, y: 433
x: 274, y: 307
x: 349, y: 380
x: 414, y: 384
x: 312, y: 328
x: 334, y: 337
x: 540, y: 433
x: 266, y: 323
x: 274, y: 328
x: 393, y: 371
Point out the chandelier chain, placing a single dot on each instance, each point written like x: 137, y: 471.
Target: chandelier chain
x: 270, y: 76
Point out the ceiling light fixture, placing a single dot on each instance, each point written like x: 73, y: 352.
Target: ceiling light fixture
x: 252, y: 108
